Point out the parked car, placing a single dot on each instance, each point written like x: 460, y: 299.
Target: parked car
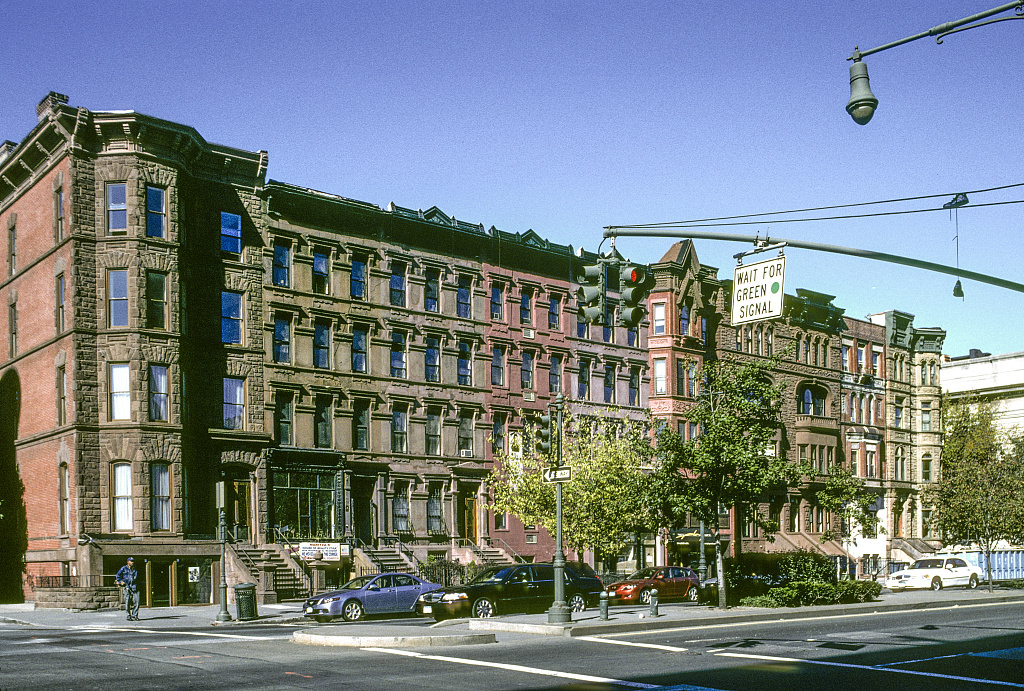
x: 671, y: 582
x: 515, y: 588
x: 383, y: 593
x: 935, y: 573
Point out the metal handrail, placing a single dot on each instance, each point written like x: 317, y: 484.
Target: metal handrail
x: 516, y: 556
x: 249, y: 563
x: 290, y: 552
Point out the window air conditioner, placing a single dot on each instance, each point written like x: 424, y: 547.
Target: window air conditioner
x: 529, y: 396
x: 529, y: 333
x: 466, y: 453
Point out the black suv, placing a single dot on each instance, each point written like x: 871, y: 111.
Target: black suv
x: 516, y: 588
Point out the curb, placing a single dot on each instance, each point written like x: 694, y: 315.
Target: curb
x: 312, y: 637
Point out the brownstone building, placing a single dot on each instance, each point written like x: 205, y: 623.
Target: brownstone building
x: 175, y: 321
x: 856, y: 392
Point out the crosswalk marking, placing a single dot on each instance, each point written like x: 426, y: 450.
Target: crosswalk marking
x: 653, y: 646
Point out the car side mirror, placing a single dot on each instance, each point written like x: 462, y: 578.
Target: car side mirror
x: 373, y: 586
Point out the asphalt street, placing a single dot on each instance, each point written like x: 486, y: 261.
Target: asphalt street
x: 966, y: 641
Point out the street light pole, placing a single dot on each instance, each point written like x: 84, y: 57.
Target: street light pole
x: 559, y: 612
x: 863, y: 103
x: 222, y: 528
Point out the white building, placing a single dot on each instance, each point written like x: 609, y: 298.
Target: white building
x: 995, y: 379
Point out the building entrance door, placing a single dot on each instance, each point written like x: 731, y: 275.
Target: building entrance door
x: 238, y: 510
x: 159, y: 590
x: 362, y: 511
x: 467, y: 516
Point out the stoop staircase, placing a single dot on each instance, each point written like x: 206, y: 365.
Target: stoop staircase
x: 388, y: 559
x: 290, y: 581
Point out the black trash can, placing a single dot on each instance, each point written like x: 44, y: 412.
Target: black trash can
x: 245, y: 600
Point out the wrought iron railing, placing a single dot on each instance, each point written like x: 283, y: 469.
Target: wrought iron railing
x: 516, y: 556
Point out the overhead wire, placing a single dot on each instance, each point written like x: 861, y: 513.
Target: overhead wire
x: 737, y: 219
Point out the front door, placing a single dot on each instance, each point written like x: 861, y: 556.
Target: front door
x: 362, y: 511
x: 159, y: 586
x: 467, y: 516
x: 238, y: 511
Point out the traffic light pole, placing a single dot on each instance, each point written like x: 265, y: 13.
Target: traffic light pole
x: 559, y: 612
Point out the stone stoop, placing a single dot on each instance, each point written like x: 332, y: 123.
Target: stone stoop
x: 290, y: 581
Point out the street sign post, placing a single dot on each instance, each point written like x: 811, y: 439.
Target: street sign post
x: 559, y: 474
x: 757, y: 290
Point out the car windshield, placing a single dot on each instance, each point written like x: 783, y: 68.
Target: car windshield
x: 643, y: 573
x: 927, y: 564
x: 492, y: 575
x: 357, y: 583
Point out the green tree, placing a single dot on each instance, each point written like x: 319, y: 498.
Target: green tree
x: 844, y: 495
x: 602, y: 503
x: 733, y: 462
x: 981, y: 485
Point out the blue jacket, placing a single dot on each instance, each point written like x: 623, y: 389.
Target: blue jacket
x: 127, y: 576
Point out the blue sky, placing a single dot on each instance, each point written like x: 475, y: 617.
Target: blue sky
x: 568, y: 117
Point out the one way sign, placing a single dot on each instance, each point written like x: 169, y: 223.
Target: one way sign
x: 560, y: 474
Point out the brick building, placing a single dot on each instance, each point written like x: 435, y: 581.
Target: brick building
x: 857, y: 392
x: 175, y: 320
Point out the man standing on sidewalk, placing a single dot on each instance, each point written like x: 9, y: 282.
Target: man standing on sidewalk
x: 126, y: 578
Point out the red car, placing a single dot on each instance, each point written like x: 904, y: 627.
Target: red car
x: 671, y: 582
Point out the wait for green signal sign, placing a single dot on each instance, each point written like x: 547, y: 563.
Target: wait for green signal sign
x: 757, y: 290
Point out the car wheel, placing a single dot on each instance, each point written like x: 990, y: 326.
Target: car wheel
x: 483, y: 608
x: 973, y: 583
x: 322, y: 620
x: 577, y: 603
x: 352, y: 611
x: 936, y: 583
x: 693, y: 595
x: 645, y: 597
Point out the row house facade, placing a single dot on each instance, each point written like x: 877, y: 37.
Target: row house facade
x: 861, y: 393
x: 349, y: 372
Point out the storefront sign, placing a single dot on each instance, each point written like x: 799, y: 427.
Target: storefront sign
x: 332, y: 551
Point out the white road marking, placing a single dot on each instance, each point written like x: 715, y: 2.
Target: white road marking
x: 95, y: 629
x: 762, y: 622
x: 654, y: 646
x: 889, y: 670
x: 516, y: 668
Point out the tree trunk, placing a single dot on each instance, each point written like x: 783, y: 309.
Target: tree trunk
x: 720, y: 566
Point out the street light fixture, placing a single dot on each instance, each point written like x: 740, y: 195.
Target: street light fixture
x: 863, y: 103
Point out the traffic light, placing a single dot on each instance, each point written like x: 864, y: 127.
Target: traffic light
x: 635, y: 283
x: 591, y: 294
x: 544, y: 433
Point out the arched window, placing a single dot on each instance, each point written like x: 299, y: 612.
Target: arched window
x: 799, y: 345
x: 824, y: 353
x: 768, y: 337
x: 122, y: 486
x: 811, y: 401
x: 747, y: 339
x: 757, y: 341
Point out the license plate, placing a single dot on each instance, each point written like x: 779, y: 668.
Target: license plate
x: 309, y: 610
x: 427, y: 609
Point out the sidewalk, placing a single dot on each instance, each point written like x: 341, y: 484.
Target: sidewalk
x: 422, y: 632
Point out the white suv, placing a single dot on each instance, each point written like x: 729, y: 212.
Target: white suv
x: 936, y: 573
